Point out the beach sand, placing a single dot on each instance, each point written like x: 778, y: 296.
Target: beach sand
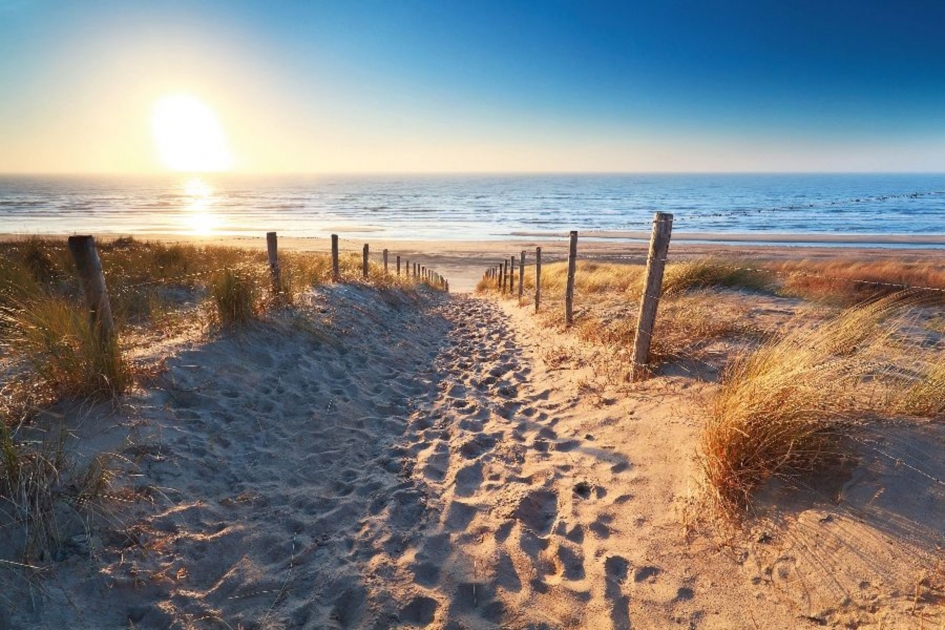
x: 376, y: 460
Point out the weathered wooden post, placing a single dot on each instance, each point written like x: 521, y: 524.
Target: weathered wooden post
x: 335, y: 269
x: 416, y: 270
x: 92, y: 278
x: 385, y: 262
x: 423, y: 273
x: 537, y: 278
x: 652, y: 287
x: 364, y: 261
x: 505, y: 275
x: 521, y: 278
x: 569, y: 293
x: 498, y: 277
x: 398, y: 265
x: 275, y: 273
x: 511, y: 274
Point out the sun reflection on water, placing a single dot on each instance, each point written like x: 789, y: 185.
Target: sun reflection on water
x: 199, y: 216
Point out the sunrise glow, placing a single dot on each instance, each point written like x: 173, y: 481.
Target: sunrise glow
x: 188, y: 136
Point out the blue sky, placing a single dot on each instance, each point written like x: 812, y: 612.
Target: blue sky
x: 482, y: 86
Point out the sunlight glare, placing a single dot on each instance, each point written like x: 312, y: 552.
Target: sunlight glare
x: 188, y: 135
x: 200, y: 219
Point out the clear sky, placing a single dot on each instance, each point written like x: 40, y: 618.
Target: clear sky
x: 476, y: 85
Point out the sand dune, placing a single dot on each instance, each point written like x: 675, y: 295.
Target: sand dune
x: 379, y: 461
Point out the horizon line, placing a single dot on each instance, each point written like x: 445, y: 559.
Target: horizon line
x: 444, y: 173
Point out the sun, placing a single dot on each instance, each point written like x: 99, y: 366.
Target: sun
x: 188, y: 135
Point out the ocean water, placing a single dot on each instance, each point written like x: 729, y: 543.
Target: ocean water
x: 473, y: 207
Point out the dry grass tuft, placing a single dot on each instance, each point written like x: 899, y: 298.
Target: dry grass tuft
x: 925, y: 396
x: 782, y: 409
x: 712, y: 273
x: 831, y: 281
x: 61, y: 346
x: 36, y: 479
x: 236, y: 297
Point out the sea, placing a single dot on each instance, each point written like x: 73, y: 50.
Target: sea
x: 870, y: 207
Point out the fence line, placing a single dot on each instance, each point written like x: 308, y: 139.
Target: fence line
x: 498, y: 276
x: 92, y: 277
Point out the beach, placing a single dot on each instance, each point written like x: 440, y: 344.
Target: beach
x: 469, y: 316
x: 374, y: 460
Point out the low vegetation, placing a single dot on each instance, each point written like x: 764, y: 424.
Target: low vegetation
x: 50, y: 351
x: 236, y: 297
x: 795, y: 380
x: 846, y: 282
x: 782, y: 409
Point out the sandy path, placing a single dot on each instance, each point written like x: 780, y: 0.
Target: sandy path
x: 548, y: 510
x: 410, y: 466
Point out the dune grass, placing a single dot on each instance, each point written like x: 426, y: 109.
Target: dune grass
x: 236, y: 297
x: 832, y: 282
x: 593, y: 277
x: 713, y: 273
x: 44, y: 322
x: 59, y: 343
x: 924, y: 396
x: 607, y: 300
x: 782, y: 410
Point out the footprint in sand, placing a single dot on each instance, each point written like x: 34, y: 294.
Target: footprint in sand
x: 469, y: 479
x: 538, y: 511
x: 420, y: 611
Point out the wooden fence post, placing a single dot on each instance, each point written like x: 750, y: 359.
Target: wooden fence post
x: 537, y: 277
x: 505, y: 274
x: 398, y: 265
x: 521, y: 278
x: 569, y: 293
x: 364, y: 261
x: 89, y: 267
x: 652, y: 287
x: 385, y: 262
x: 511, y: 274
x: 335, y: 270
x: 275, y: 273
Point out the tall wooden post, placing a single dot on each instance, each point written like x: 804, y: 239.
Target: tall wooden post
x: 92, y: 278
x: 511, y: 274
x: 505, y: 275
x: 275, y: 273
x: 398, y: 265
x: 364, y: 261
x: 537, y: 277
x: 385, y: 262
x: 521, y: 278
x: 335, y: 269
x: 569, y: 293
x: 652, y: 287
